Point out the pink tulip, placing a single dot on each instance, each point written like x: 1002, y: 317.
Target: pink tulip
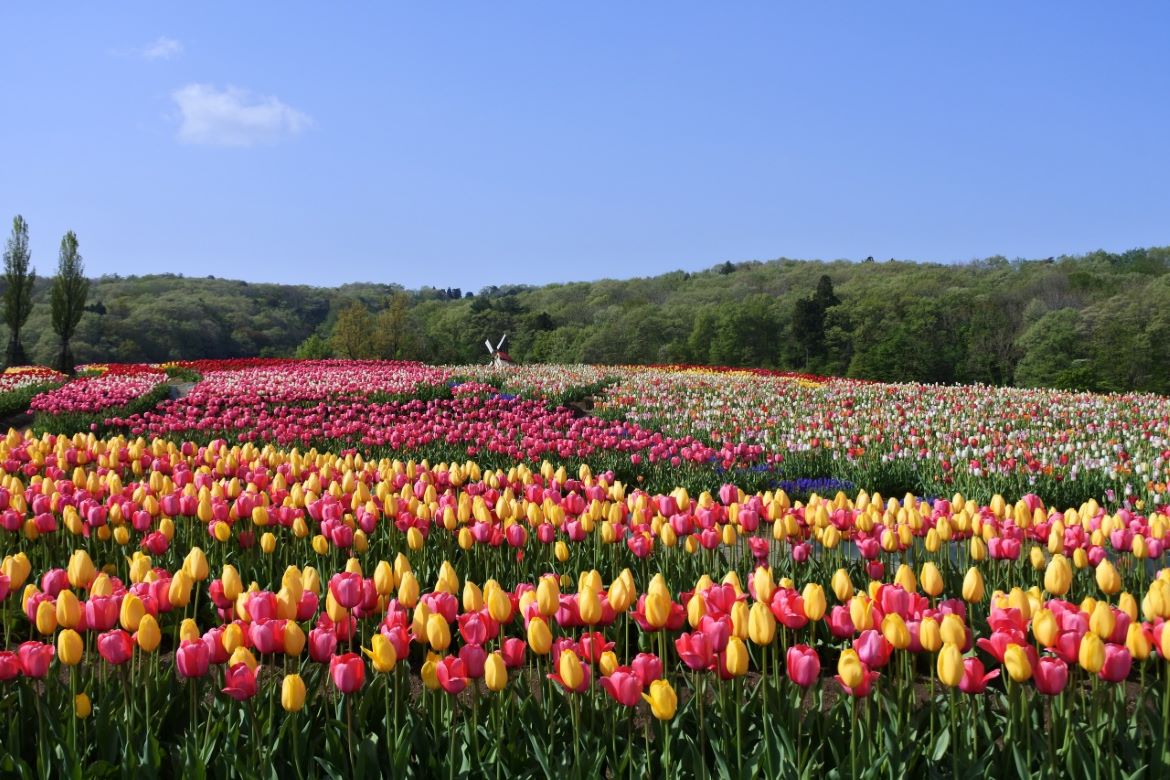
x: 240, y: 682
x: 803, y: 665
x: 347, y: 671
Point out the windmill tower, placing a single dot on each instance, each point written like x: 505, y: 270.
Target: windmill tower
x: 500, y: 358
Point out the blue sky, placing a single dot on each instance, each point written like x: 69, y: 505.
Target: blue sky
x: 466, y: 144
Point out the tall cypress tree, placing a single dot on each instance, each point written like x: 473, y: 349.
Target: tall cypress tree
x: 19, y: 279
x: 70, y: 289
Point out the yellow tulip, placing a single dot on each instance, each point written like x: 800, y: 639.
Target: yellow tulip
x: 46, y: 617
x: 189, y: 630
x: 81, y: 571
x: 381, y: 653
x: 233, y: 586
x: 763, y: 584
x: 438, y: 632
x: 292, y: 693
x: 472, y: 597
x: 736, y: 657
x: 242, y: 655
x: 569, y: 668
x: 973, y: 585
x: 408, y: 590
x: 82, y: 706
x: 849, y: 667
x: 950, y: 665
x: 70, y: 648
x: 148, y: 635
x: 539, y: 636
x: 195, y: 564
x: 1108, y: 580
x: 1015, y: 659
x: 929, y: 635
x: 895, y: 631
x: 953, y: 630
x: 495, y: 673
x: 761, y: 624
x: 657, y: 608
x: 1137, y: 643
x: 1045, y: 627
x: 931, y: 578
x: 842, y: 586
x: 294, y: 639
x: 548, y: 596
x: 68, y: 609
x: 232, y: 637
x: 813, y: 597
x: 1102, y: 621
x: 662, y: 699
x: 267, y: 543
x: 1091, y: 654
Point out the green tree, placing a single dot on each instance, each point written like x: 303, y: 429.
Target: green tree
x: 1054, y: 353
x: 70, y: 290
x: 19, y: 279
x: 393, y: 336
x: 353, y: 332
x: 315, y: 347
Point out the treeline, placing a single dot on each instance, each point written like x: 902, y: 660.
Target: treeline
x: 1099, y: 321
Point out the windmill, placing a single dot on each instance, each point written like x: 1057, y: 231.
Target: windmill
x: 500, y: 359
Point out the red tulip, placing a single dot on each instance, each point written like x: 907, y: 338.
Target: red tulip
x: 862, y: 690
x: 513, y: 652
x: 193, y: 658
x: 974, y: 680
x: 804, y: 665
x: 348, y: 672
x: 240, y: 682
x: 695, y: 650
x: 346, y: 588
x: 1050, y: 675
x: 1117, y: 663
x: 116, y: 646
x: 624, y: 686
x: 452, y: 674
x: 35, y: 658
x: 648, y: 667
x: 473, y: 658
x: 9, y: 665
x: 322, y: 644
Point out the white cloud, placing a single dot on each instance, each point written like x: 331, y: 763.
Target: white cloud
x: 233, y: 116
x: 162, y: 49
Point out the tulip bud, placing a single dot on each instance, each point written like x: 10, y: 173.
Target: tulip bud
x: 438, y: 632
x: 761, y: 624
x: 1091, y: 653
x: 842, y: 586
x: 931, y: 578
x: 662, y: 699
x: 495, y: 673
x: 70, y: 648
x: 929, y: 635
x: 1019, y: 667
x: 539, y: 636
x: 82, y: 706
x: 973, y: 586
x: 850, y: 669
x: 148, y: 635
x: 736, y: 657
x: 813, y: 597
x: 46, y: 617
x: 292, y: 693
x: 950, y: 665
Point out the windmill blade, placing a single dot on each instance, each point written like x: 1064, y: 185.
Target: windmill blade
x: 488, y: 343
x: 501, y: 341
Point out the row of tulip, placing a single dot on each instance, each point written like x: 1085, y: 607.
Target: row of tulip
x: 938, y: 437
x: 1067, y: 602
x: 932, y: 440
x: 696, y: 661
x: 89, y: 394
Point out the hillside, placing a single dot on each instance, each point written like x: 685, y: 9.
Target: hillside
x: 1098, y: 321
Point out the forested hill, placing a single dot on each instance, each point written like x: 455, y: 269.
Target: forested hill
x: 1099, y: 321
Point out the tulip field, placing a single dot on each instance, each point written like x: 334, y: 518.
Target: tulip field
x: 368, y: 569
